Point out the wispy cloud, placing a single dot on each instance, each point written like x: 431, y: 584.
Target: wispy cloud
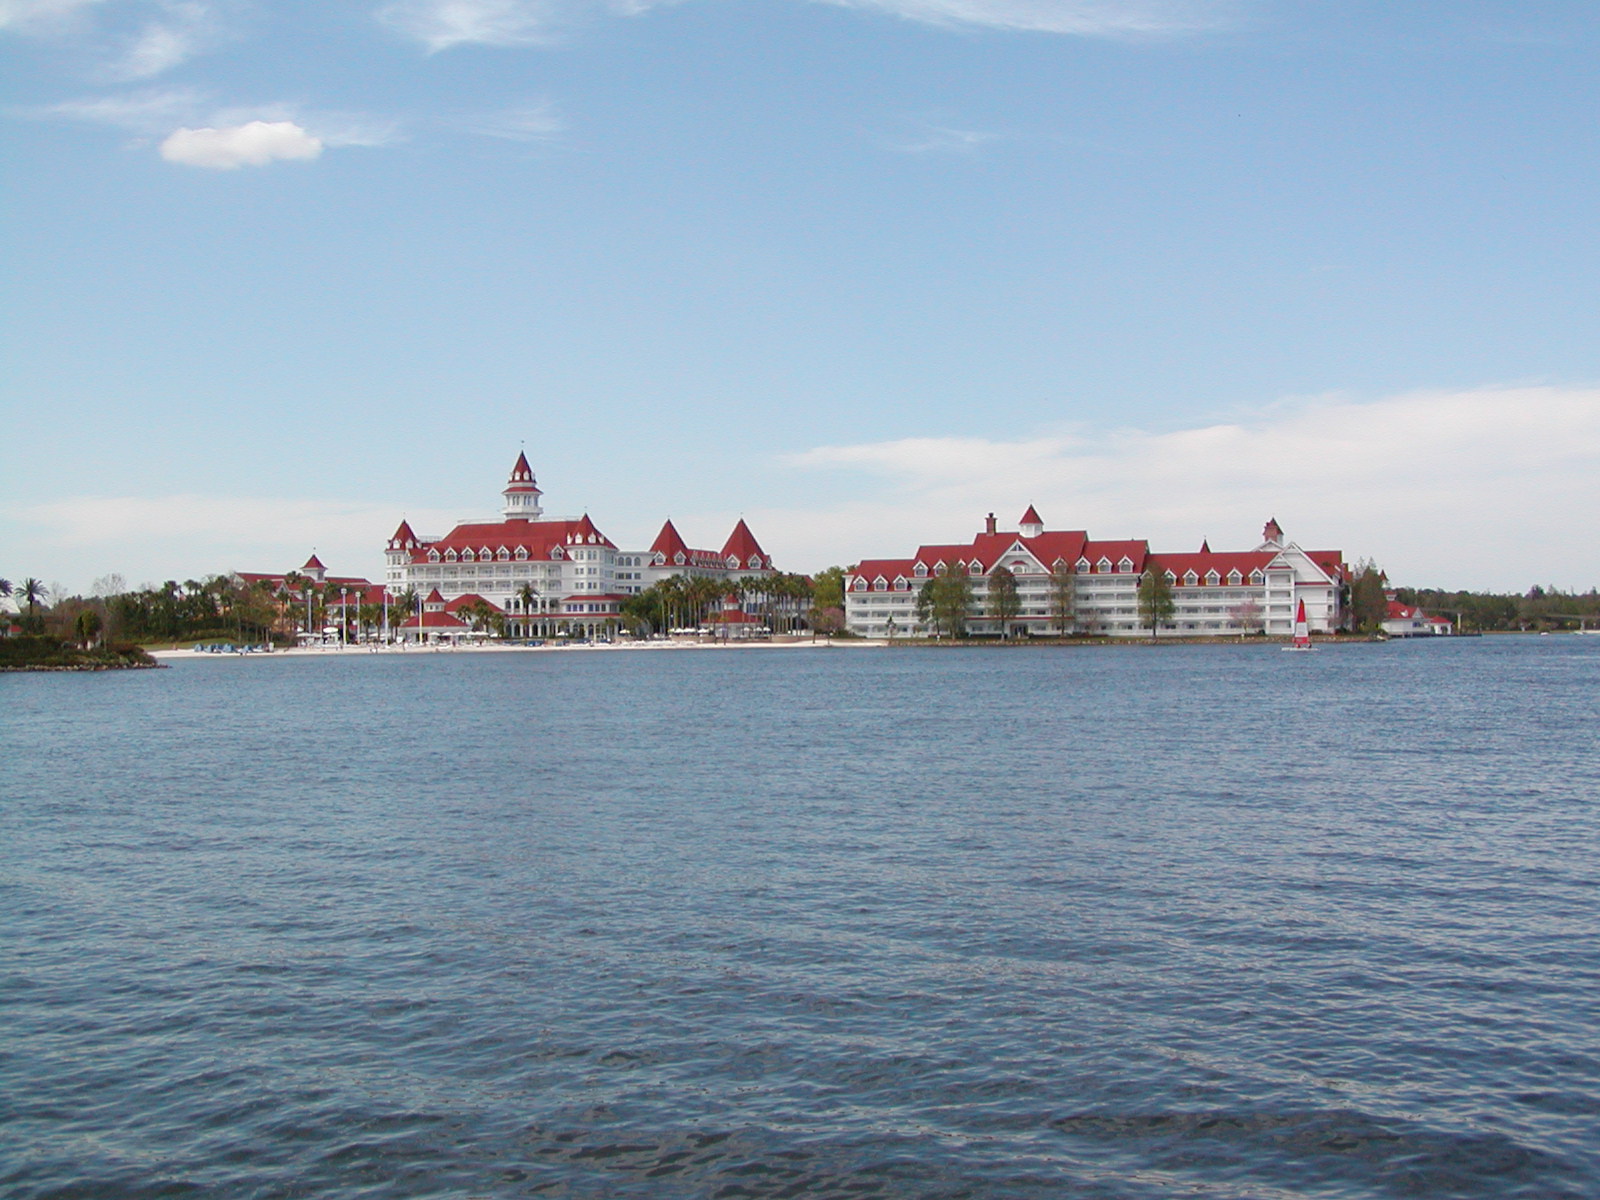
x: 943, y: 139
x: 180, y: 30
x: 41, y: 16
x: 1427, y: 483
x: 1082, y: 18
x: 445, y: 24
x: 150, y: 538
x: 533, y: 122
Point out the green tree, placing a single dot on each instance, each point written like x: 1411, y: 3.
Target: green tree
x: 1156, y: 603
x: 943, y: 601
x: 828, y: 588
x: 1004, y: 600
x: 1368, y: 603
x: 89, y: 624
x: 1063, y: 594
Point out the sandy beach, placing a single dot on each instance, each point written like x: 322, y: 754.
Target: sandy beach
x: 365, y: 650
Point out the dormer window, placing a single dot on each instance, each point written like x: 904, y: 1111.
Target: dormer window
x: 1190, y: 579
x: 1234, y: 578
x: 1212, y: 579
x: 901, y: 584
x: 1256, y: 577
x: 466, y: 556
x: 503, y: 554
x: 920, y: 571
x: 433, y: 556
x: 880, y: 584
x: 1171, y: 578
x: 975, y: 568
x: 450, y: 555
x: 860, y: 585
x: 1083, y: 566
x: 522, y: 553
x: 1125, y: 566
x: 1103, y: 567
x: 679, y: 558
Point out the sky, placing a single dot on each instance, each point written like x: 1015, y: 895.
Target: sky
x: 277, y: 275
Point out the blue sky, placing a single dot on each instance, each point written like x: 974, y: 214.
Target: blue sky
x: 279, y: 274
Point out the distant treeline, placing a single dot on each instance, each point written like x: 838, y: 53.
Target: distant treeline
x: 1539, y: 610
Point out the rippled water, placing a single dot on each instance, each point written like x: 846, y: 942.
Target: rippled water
x: 1199, y: 922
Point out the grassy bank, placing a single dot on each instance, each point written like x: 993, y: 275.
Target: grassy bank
x: 52, y: 654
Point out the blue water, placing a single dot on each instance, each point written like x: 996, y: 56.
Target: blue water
x: 1105, y: 923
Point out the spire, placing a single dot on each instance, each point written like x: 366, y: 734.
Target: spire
x: 522, y: 493
x: 743, y: 547
x: 1205, y: 545
x: 1271, y: 532
x: 1032, y: 522
x: 669, y: 545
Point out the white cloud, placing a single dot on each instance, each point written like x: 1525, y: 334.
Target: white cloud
x: 253, y: 144
x: 1495, y: 488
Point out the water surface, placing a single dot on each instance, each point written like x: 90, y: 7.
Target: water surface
x: 1035, y: 922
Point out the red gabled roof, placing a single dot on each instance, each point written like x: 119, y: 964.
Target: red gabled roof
x: 668, y: 542
x: 1221, y: 561
x: 1116, y: 551
x: 403, y: 538
x: 742, y: 544
x: 467, y: 598
x: 1403, y: 612
x: 434, y: 620
x: 888, y: 568
x: 537, y: 538
x: 1031, y: 517
x: 434, y: 597
x: 313, y: 564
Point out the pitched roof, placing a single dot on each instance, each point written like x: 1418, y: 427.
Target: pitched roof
x: 467, y: 598
x: 742, y: 544
x: 536, y: 538
x: 522, y: 477
x: 1031, y: 517
x: 313, y: 564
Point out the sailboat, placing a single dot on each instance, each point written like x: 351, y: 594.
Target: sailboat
x: 1302, y: 632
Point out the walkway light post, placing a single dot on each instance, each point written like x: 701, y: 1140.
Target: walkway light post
x: 344, y: 618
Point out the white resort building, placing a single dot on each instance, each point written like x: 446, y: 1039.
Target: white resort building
x: 545, y: 576
x: 1069, y: 583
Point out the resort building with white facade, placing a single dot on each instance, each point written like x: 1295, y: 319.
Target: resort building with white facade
x: 547, y: 576
x: 1068, y: 582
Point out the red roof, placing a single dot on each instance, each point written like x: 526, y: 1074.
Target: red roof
x: 434, y: 620
x: 467, y: 598
x: 669, y: 543
x: 403, y: 538
x: 742, y: 544
x: 434, y: 597
x: 522, y: 477
x: 313, y: 564
x: 1221, y: 561
x: 536, y: 538
x: 1031, y: 517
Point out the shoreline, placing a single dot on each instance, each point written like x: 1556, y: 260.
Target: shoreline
x: 679, y: 644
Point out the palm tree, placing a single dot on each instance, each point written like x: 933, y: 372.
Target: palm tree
x: 32, y: 592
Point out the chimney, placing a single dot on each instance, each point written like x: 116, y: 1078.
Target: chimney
x: 988, y: 524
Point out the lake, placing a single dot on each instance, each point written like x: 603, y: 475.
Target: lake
x: 1111, y: 922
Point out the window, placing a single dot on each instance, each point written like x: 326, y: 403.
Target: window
x: 920, y: 570
x: 450, y: 555
x: 1190, y: 579
x: 1212, y: 579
